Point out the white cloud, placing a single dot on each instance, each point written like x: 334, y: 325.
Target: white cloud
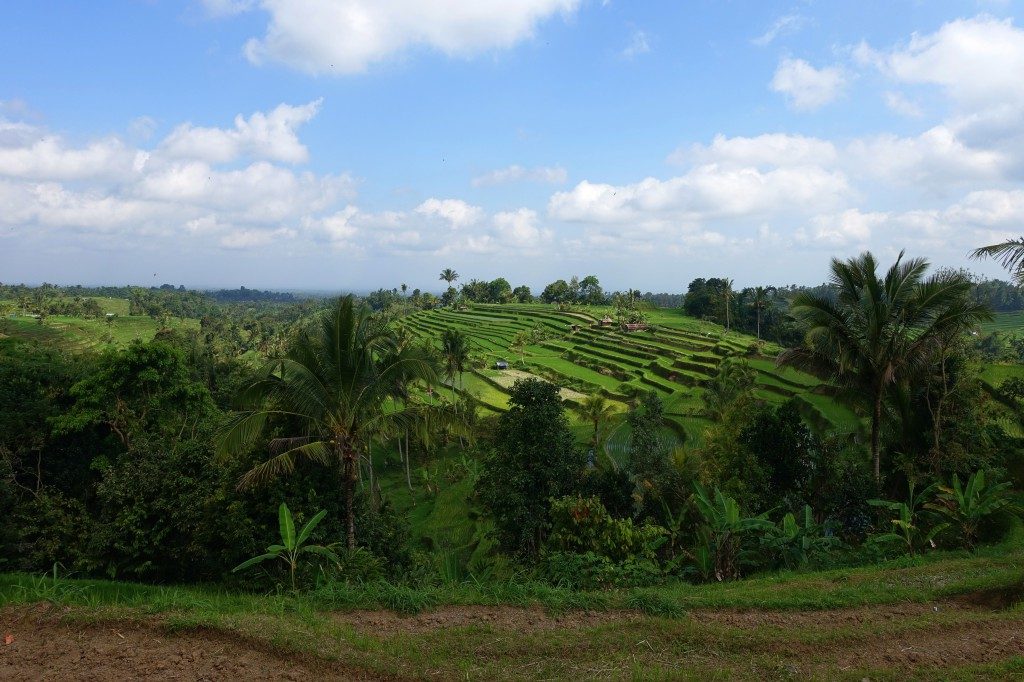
x: 456, y: 212
x: 848, y: 227
x: 555, y: 175
x: 32, y: 153
x: 806, y: 87
x: 770, y: 149
x: 107, y: 187
x: 348, y: 36
x: 638, y: 45
x: 784, y: 25
x: 977, y: 61
x: 263, y: 136
x: 247, y: 239
x: 705, y: 193
x: 898, y: 102
x: 935, y: 160
x: 519, y: 228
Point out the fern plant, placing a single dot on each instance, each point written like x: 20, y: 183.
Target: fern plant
x: 292, y: 545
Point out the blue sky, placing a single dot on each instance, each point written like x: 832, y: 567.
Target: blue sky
x: 350, y: 144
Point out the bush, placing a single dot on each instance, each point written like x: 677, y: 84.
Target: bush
x: 588, y: 571
x: 581, y: 524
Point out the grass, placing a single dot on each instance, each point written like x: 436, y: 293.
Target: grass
x: 659, y: 637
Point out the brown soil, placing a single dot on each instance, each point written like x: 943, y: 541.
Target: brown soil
x: 932, y: 647
x: 498, y: 617
x: 908, y: 637
x: 829, y: 618
x: 46, y: 648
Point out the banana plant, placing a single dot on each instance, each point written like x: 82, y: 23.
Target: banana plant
x: 796, y: 543
x: 965, y: 507
x: 723, y: 531
x: 908, y: 527
x: 292, y: 546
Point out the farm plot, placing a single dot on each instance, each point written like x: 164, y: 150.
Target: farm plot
x: 677, y: 358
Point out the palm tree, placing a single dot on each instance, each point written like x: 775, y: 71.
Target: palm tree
x: 521, y: 340
x: 455, y: 352
x: 727, y: 296
x: 762, y: 301
x: 449, y: 276
x: 405, y: 287
x: 875, y: 333
x: 338, y: 388
x: 1010, y: 255
x: 598, y: 411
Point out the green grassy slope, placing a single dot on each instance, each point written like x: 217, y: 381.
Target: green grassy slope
x: 675, y: 359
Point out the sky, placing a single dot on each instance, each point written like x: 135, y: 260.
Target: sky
x: 356, y: 144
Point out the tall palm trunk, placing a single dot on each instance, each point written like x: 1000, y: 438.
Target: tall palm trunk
x: 876, y: 427
x: 759, y: 324
x: 349, y: 458
x: 408, y: 470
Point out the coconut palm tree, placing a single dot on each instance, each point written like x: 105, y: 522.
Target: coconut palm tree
x: 455, y: 353
x: 727, y: 297
x: 761, y: 302
x: 338, y: 388
x: 596, y: 410
x: 876, y: 332
x: 449, y: 275
x: 1010, y: 255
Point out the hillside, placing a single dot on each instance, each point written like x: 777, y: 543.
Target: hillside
x: 675, y: 358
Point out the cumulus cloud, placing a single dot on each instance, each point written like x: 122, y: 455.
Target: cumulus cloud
x: 456, y: 212
x: 178, y: 188
x: 976, y: 61
x: 263, y: 136
x: 348, y: 36
x: 770, y: 149
x: 555, y: 175
x: 806, y: 87
x: 705, y: 193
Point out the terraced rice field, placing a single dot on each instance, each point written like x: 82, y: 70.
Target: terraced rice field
x: 1006, y: 323
x: 675, y: 359
x: 76, y: 334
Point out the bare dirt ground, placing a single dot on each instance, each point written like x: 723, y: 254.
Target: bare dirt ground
x: 498, y: 617
x: 44, y: 647
x: 898, y: 637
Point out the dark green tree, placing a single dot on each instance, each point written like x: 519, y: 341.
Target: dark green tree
x: 534, y: 459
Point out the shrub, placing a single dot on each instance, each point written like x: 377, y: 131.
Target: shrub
x: 967, y: 507
x: 583, y: 525
x: 587, y: 571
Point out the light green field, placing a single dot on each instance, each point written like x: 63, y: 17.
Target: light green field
x: 675, y: 359
x: 1006, y: 323
x: 76, y: 334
